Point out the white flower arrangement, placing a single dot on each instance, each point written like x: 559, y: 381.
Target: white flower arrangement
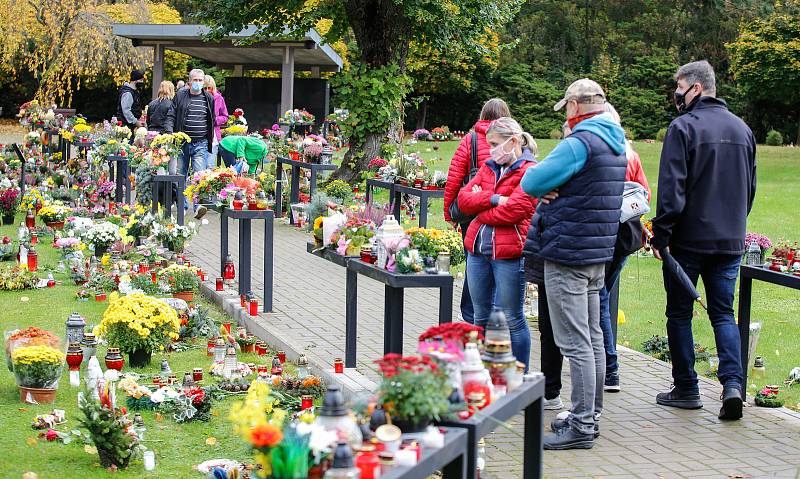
x: 103, y: 234
x: 78, y: 226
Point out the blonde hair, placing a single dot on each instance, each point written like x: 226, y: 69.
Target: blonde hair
x: 166, y: 90
x: 494, y: 108
x: 507, y: 127
x: 208, y: 81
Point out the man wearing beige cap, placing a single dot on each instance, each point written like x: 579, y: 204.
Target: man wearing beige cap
x: 574, y: 232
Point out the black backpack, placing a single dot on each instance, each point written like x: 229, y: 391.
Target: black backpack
x: 456, y: 214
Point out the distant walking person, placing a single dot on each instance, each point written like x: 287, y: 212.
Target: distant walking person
x: 129, y: 101
x: 161, y: 111
x: 220, y: 118
x: 194, y: 115
x: 460, y: 172
x: 706, y: 187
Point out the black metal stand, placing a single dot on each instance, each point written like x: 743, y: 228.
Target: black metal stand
x: 451, y: 459
x: 119, y: 169
x: 83, y: 148
x: 21, y: 157
x: 424, y: 196
x: 166, y: 182
x: 748, y: 274
x: 245, y: 218
x: 376, y: 183
x: 65, y: 147
x: 528, y: 397
x: 294, y: 192
x: 395, y: 285
x: 52, y: 146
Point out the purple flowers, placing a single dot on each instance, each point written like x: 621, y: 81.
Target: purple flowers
x: 422, y: 135
x: 763, y: 242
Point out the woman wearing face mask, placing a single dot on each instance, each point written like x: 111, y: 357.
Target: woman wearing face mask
x: 495, y: 238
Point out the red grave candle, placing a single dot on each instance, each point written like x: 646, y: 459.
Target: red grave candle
x: 282, y: 356
x: 338, y: 365
x: 254, y: 308
x: 219, y: 284
x: 33, y: 260
x: 306, y: 402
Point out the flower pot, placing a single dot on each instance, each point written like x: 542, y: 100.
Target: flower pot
x: 37, y: 395
x: 410, y: 426
x: 249, y: 348
x: 139, y: 358
x: 8, y: 220
x: 56, y: 225
x: 187, y: 296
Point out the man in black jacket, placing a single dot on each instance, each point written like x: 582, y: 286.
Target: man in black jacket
x: 706, y: 186
x: 129, y: 101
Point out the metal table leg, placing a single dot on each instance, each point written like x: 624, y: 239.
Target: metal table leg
x: 446, y: 304
x: 294, y: 192
x: 279, y: 189
x: 313, y: 186
x: 745, y: 293
x: 244, y: 256
x: 268, y: 262
x: 181, y: 184
x: 223, y: 244
x: 393, y: 320
x: 423, y: 210
x: 351, y: 318
x: 532, y: 465
x: 398, y: 200
x: 457, y: 468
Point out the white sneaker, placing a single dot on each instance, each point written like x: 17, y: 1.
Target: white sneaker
x: 554, y: 404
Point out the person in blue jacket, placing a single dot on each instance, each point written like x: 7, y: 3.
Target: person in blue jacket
x: 575, y: 233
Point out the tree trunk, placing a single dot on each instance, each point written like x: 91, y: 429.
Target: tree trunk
x: 422, y: 113
x: 358, y: 156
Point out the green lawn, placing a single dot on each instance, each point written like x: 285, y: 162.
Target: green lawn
x: 642, y: 294
x: 177, y: 446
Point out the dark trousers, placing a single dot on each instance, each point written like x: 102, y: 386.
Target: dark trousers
x: 719, y: 278
x: 467, y: 311
x: 552, y: 359
x: 227, y: 157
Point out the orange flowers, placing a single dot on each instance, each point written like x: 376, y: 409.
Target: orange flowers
x: 265, y: 435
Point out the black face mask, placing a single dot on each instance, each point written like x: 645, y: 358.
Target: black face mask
x: 680, y: 101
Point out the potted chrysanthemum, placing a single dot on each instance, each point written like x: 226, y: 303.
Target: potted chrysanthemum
x: 37, y: 370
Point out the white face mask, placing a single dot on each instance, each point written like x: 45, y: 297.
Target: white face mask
x: 197, y: 85
x: 500, y: 156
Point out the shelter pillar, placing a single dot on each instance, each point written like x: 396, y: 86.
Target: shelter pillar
x: 315, y: 72
x: 287, y: 80
x: 158, y: 68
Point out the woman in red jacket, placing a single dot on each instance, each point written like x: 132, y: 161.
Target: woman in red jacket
x: 494, y: 239
x: 459, y: 171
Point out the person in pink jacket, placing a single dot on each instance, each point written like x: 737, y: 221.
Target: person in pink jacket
x: 220, y: 118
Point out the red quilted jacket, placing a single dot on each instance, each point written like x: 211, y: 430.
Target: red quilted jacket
x: 459, y: 165
x: 511, y: 220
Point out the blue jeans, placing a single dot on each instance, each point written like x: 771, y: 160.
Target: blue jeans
x: 195, y: 151
x: 609, y: 340
x: 501, y: 283
x: 719, y: 277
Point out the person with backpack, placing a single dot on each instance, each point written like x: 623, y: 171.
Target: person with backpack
x: 494, y: 240
x: 472, y: 153
x: 635, y: 203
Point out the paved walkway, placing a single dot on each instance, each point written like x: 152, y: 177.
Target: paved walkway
x: 639, y: 438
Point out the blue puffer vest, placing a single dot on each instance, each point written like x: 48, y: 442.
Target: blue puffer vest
x: 580, y: 227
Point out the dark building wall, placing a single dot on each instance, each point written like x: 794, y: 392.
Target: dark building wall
x: 260, y: 98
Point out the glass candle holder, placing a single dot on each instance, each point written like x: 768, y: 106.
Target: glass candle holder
x: 307, y: 402
x: 153, y: 277
x: 243, y: 300
x: 338, y: 366
x: 197, y: 374
x: 253, y: 307
x: 34, y: 238
x: 282, y: 356
x: 219, y: 284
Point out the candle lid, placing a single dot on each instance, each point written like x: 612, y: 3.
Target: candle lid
x: 342, y: 457
x: 333, y: 402
x: 388, y: 433
x: 472, y: 359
